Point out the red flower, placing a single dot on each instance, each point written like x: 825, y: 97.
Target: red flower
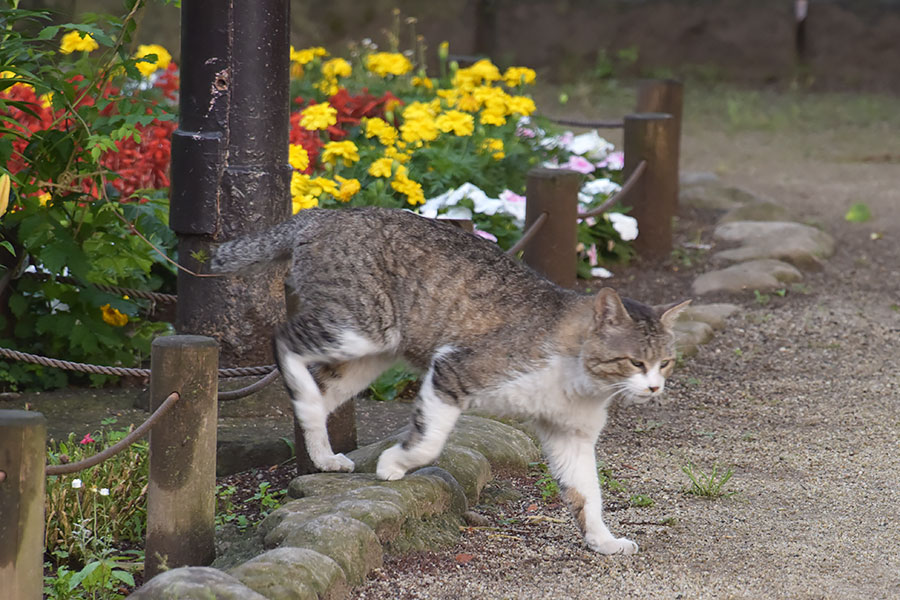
x: 87, y: 439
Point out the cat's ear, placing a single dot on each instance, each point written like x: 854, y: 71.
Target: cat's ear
x: 668, y: 314
x: 608, y: 308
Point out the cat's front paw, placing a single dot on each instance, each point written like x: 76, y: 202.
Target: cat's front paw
x: 335, y: 462
x: 389, y: 467
x: 612, y: 545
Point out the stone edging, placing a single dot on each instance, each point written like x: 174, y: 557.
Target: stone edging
x: 339, y: 526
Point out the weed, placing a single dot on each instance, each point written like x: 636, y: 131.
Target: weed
x: 607, y: 481
x: 545, y: 483
x: 761, y: 299
x: 641, y: 500
x: 707, y: 485
x: 738, y: 352
x: 392, y: 383
x: 648, y: 426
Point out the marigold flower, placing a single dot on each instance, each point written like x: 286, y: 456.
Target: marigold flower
x: 493, y: 117
x: 419, y: 130
x: 396, y: 153
x: 4, y: 193
x: 423, y: 82
x: 381, y: 167
x: 347, y: 189
x: 163, y: 58
x: 515, y: 76
x: 345, y: 151
x: 318, y: 116
x: 336, y: 67
x: 298, y: 157
x: 307, y: 55
x: 494, y: 146
x: 388, y: 63
x: 75, y: 41
x: 377, y: 127
x: 412, y: 189
x: 459, y: 123
x: 520, y: 105
x: 113, y: 316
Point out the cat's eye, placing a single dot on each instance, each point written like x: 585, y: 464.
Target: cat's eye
x: 637, y: 363
x: 664, y: 364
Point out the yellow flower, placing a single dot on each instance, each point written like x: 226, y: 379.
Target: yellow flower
x: 494, y: 146
x: 336, y: 67
x: 460, y: 123
x: 44, y: 198
x: 4, y: 193
x: 329, y: 87
x: 113, y: 316
x: 46, y: 100
x: 298, y: 157
x: 420, y: 110
x: 412, y: 189
x: 520, y: 105
x: 423, y: 82
x: 515, y: 76
x: 348, y: 189
x: 318, y: 116
x: 381, y: 167
x: 346, y: 150
x: 481, y: 72
x: 381, y: 129
x: 396, y: 153
x: 163, y: 58
x: 75, y: 41
x: 419, y: 130
x: 302, y: 201
x: 388, y: 63
x: 307, y: 55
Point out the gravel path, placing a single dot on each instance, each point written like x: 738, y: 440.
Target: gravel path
x: 799, y: 395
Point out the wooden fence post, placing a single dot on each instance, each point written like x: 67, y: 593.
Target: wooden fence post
x: 341, y: 423
x: 551, y: 251
x: 23, y: 458
x: 664, y: 96
x: 651, y: 137
x: 181, y: 498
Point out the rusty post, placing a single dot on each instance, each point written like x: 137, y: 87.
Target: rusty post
x: 181, y: 498
x: 230, y: 171
x: 651, y: 137
x: 341, y: 423
x: 23, y: 456
x: 551, y: 251
x: 664, y: 96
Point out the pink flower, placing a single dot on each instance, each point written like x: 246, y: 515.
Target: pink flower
x: 524, y: 132
x: 87, y: 439
x: 615, y: 161
x: 592, y: 255
x: 511, y: 196
x: 486, y: 235
x: 580, y: 164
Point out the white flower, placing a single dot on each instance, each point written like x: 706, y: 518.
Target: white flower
x: 104, y: 491
x: 601, y: 272
x: 626, y: 226
x: 76, y: 483
x: 482, y: 203
x: 590, y: 145
x: 600, y: 186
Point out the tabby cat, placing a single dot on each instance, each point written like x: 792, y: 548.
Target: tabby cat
x: 376, y: 285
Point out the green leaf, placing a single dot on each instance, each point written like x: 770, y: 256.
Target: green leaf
x: 858, y: 213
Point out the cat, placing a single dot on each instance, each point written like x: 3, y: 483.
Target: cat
x: 376, y: 285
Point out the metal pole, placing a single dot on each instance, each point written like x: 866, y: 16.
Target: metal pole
x: 653, y: 200
x: 664, y: 96
x: 230, y: 174
x: 181, y: 498
x: 23, y: 456
x: 551, y: 251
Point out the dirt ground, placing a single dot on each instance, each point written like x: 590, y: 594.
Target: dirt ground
x: 800, y: 396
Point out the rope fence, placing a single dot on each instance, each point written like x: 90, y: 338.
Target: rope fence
x: 139, y: 432
x: 621, y: 195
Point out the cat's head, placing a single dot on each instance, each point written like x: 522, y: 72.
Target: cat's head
x: 631, y: 346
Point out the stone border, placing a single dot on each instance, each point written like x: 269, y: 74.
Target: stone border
x: 339, y: 525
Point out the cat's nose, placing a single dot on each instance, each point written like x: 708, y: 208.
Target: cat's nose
x: 653, y: 388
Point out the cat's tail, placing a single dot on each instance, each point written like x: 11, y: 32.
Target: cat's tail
x: 244, y: 253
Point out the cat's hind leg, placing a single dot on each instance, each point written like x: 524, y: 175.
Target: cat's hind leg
x: 317, y: 386
x: 438, y: 406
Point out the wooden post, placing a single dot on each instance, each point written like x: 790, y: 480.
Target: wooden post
x: 664, y: 96
x: 551, y: 251
x: 341, y: 423
x: 652, y: 137
x: 23, y: 458
x: 181, y: 497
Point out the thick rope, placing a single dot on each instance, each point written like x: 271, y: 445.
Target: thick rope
x: 250, y: 389
x: 125, y: 442
x: 620, y: 195
x: 112, y: 289
x: 530, y: 233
